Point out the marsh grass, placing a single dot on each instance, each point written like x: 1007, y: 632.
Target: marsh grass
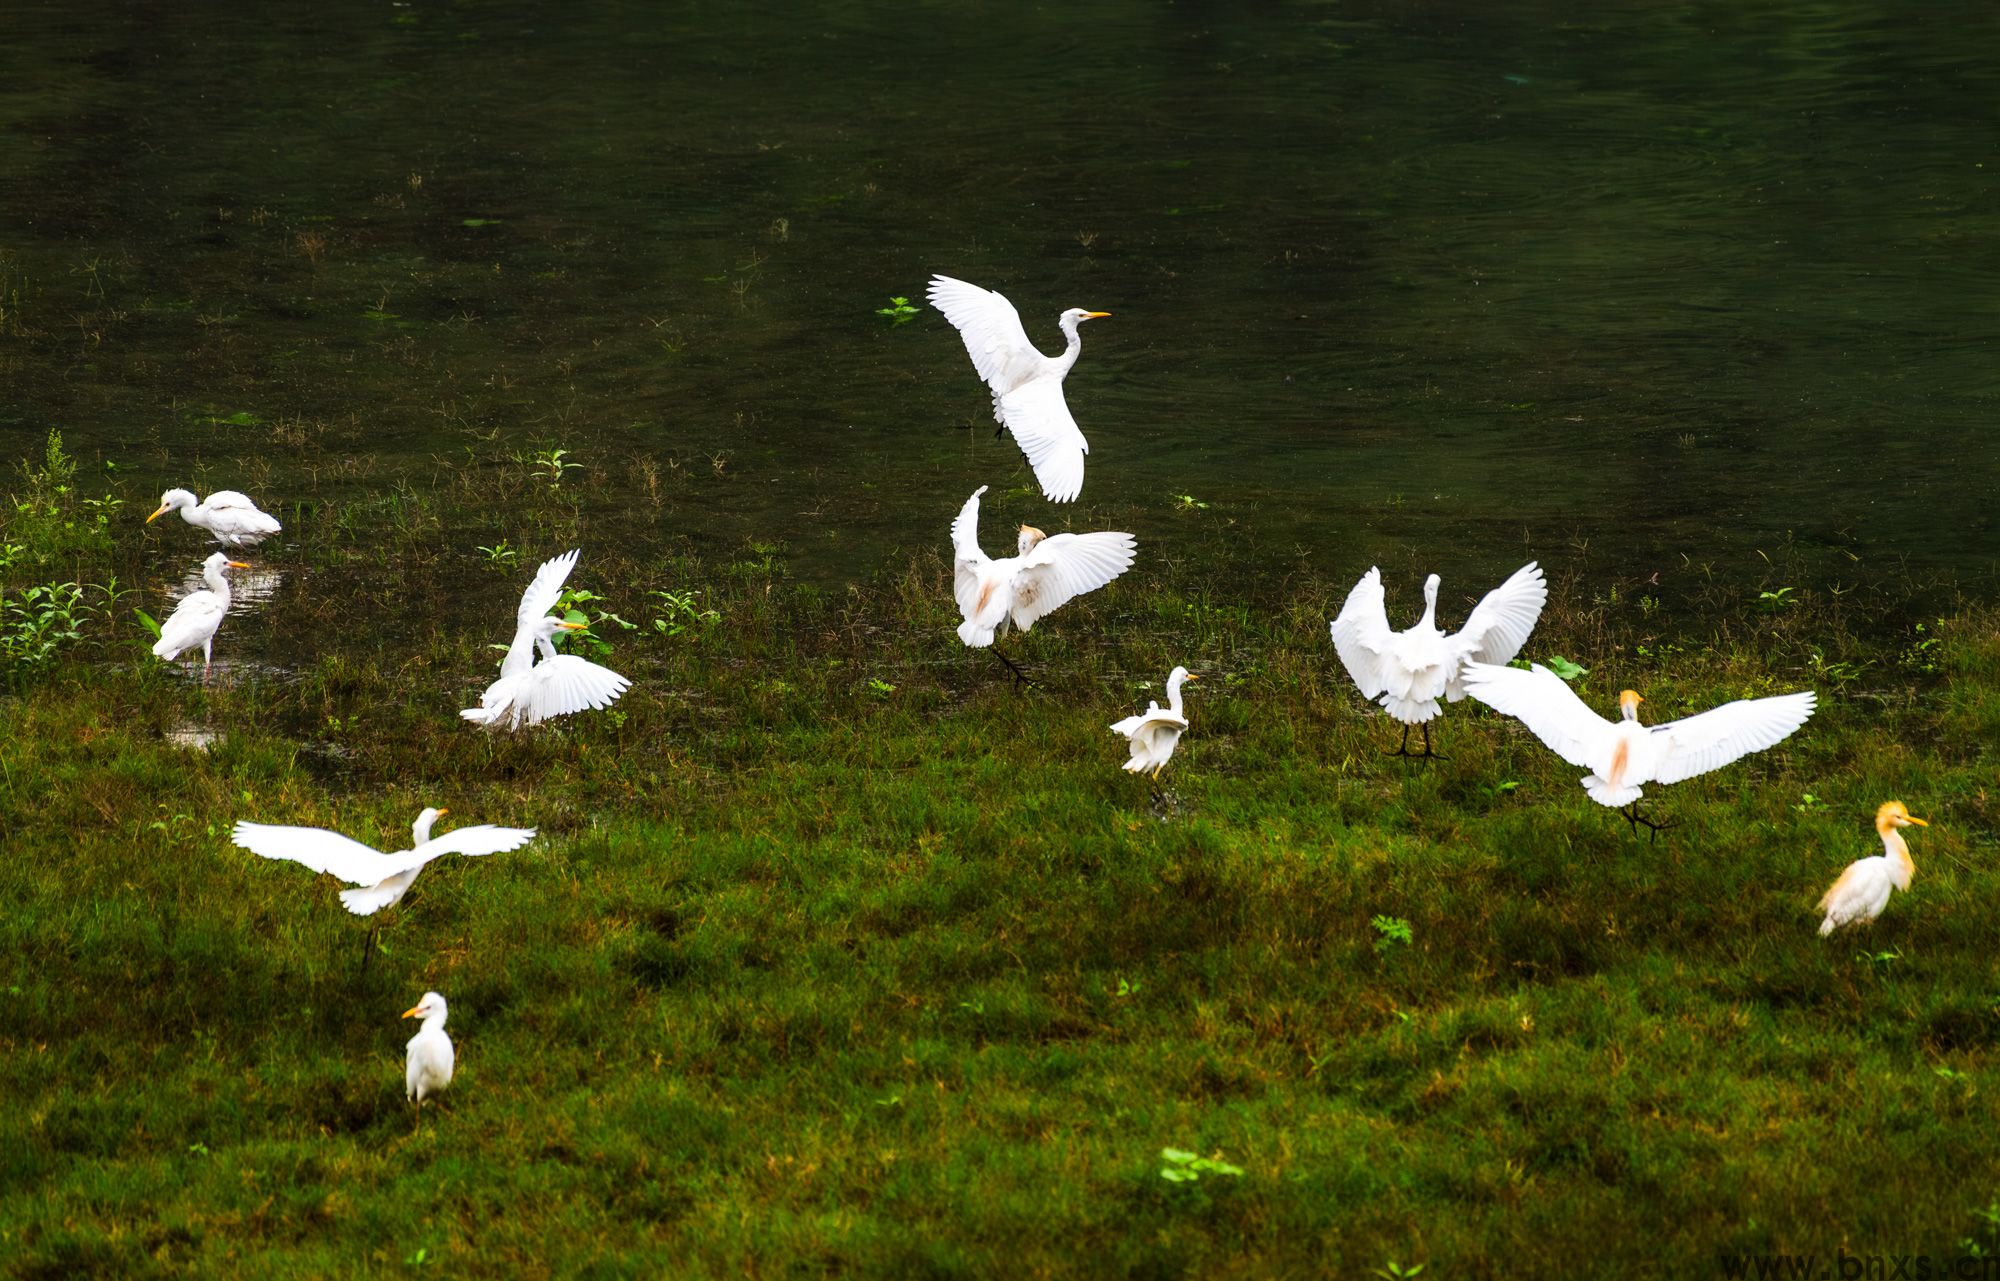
x: 804, y: 975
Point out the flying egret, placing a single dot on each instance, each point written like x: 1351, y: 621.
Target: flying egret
x: 528, y: 692
x: 1623, y: 754
x: 1021, y: 588
x: 383, y: 878
x: 1408, y: 671
x: 1155, y: 731
x: 199, y: 613
x: 231, y: 517
x: 1863, y: 889
x: 428, y: 1061
x: 1027, y: 386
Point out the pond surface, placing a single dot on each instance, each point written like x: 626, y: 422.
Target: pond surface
x: 1437, y: 285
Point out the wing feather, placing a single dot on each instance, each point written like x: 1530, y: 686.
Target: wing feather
x: 1499, y: 625
x: 991, y: 330
x: 473, y: 842
x: 566, y: 684
x: 1545, y: 703
x: 1714, y: 738
x: 1061, y: 568
x: 966, y: 554
x: 542, y: 593
x: 318, y: 849
x: 1361, y: 635
x: 1040, y: 419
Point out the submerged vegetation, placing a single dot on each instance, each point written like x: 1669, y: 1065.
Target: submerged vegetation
x: 836, y: 952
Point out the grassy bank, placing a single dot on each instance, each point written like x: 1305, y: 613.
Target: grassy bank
x: 837, y: 953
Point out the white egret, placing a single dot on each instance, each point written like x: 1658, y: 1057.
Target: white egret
x: 528, y: 692
x: 1862, y: 891
x: 1623, y: 754
x: 1021, y: 588
x: 198, y: 615
x: 231, y: 517
x: 428, y: 1061
x: 1154, y: 733
x: 1027, y: 386
x: 1407, y: 672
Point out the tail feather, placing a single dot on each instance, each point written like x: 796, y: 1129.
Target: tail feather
x: 974, y: 635
x: 1605, y: 794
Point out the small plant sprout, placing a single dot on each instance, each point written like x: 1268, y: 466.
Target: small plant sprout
x: 1808, y: 803
x: 1391, y: 930
x: 501, y: 555
x: 1394, y: 1271
x: 551, y: 465
x: 1188, y: 503
x: 1180, y: 1166
x: 899, y: 311
x: 879, y: 687
x: 682, y: 612
x: 1127, y: 987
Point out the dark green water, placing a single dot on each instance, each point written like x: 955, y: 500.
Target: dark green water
x: 1440, y: 285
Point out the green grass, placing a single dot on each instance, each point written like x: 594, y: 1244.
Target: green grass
x: 806, y: 977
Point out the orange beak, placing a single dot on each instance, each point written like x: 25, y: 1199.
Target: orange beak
x: 156, y: 515
x: 1095, y: 315
x: 412, y: 1011
x: 236, y: 564
x: 1914, y: 819
x: 442, y: 811
x: 575, y: 627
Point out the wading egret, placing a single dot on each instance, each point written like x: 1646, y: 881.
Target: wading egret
x: 428, y: 1061
x: 1021, y: 588
x: 1863, y: 889
x: 231, y: 517
x: 1407, y: 672
x: 1027, y: 386
x: 1154, y: 732
x: 195, y: 619
x: 528, y: 692
x: 1623, y: 754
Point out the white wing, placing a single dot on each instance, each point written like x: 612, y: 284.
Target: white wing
x: 472, y: 841
x: 992, y: 331
x: 564, y: 684
x: 1067, y: 565
x: 318, y: 849
x: 230, y: 500
x: 1711, y: 740
x: 1542, y: 701
x: 1040, y: 419
x: 966, y: 553
x: 1361, y: 635
x: 193, y: 621
x: 1499, y: 625
x: 541, y: 595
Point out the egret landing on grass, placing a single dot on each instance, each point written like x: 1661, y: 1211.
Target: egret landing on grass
x: 428, y: 1060
x: 195, y: 620
x: 1862, y: 891
x: 1407, y: 672
x: 1027, y: 386
x: 1020, y: 589
x: 231, y: 517
x: 528, y: 692
x: 1623, y: 754
x: 1154, y: 732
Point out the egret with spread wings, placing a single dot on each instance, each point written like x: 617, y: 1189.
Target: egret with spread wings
x: 1026, y: 385
x: 231, y: 517
x: 1407, y: 672
x: 528, y: 692
x: 1044, y: 574
x: 1623, y: 754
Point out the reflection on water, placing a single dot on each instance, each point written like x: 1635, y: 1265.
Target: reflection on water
x: 196, y: 738
x: 247, y: 587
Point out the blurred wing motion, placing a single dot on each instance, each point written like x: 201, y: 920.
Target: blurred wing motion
x: 1713, y: 739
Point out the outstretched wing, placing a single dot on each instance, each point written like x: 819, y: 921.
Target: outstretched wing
x: 992, y: 332
x: 1361, y: 635
x: 1065, y: 566
x: 1499, y: 625
x: 1712, y: 739
x: 470, y: 841
x: 541, y: 595
x: 564, y: 684
x: 318, y: 849
x: 1040, y: 419
x: 966, y: 554
x: 1542, y: 701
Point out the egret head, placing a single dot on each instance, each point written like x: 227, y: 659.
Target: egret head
x: 171, y: 500
x: 1892, y: 814
x: 548, y: 626
x: 420, y: 831
x: 431, y: 1007
x: 1076, y: 316
x: 1029, y: 537
x: 1628, y: 704
x: 216, y: 563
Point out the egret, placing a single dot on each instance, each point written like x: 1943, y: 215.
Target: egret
x: 1154, y: 732
x: 1623, y: 754
x: 428, y: 1061
x: 1863, y: 889
x: 1043, y: 574
x: 1027, y: 386
x: 383, y: 878
x: 528, y: 692
x: 1407, y: 672
x: 199, y: 613
x: 231, y: 517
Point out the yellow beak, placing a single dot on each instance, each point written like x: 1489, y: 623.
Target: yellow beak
x: 236, y: 564
x: 412, y: 1011
x: 1914, y: 819
x: 1095, y: 315
x: 442, y: 811
x: 575, y: 627
x: 1193, y: 676
x: 156, y: 515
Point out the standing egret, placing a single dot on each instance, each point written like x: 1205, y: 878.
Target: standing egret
x: 1027, y: 386
x: 528, y: 692
x: 428, y: 1061
x: 384, y: 878
x: 1863, y: 889
x: 1623, y: 754
x: 1408, y: 671
x: 199, y: 613
x: 231, y: 517
x: 1155, y: 731
x: 1021, y: 588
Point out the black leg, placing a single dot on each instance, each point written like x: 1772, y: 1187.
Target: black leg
x: 1635, y: 820
x: 369, y: 954
x: 1429, y: 755
x: 1020, y: 677
x: 1402, y: 749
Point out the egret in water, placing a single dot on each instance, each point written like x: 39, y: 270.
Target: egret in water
x: 383, y: 878
x: 428, y: 1061
x: 199, y: 613
x: 528, y: 692
x: 1154, y: 732
x: 231, y: 517
x: 1623, y: 754
x: 1021, y: 588
x: 1863, y: 889
x: 1407, y: 672
x: 1027, y: 386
